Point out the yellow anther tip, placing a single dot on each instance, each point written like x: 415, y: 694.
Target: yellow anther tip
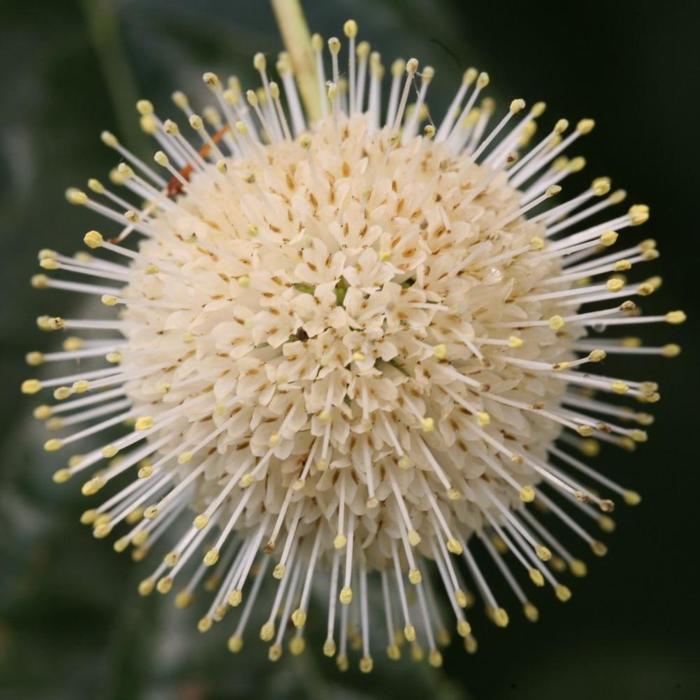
x: 585, y: 126
x: 161, y: 158
x: 415, y: 576
x: 204, y: 625
x: 53, y: 445
x: 201, y: 521
x: 144, y: 107
x: 600, y: 186
x: 500, y: 617
x: 597, y: 355
x: 578, y: 568
x: 211, y: 79
x: 350, y: 28
x: 299, y: 618
x: 440, y: 351
x: 609, y: 238
x: 267, y: 631
x: 531, y: 612
x: 393, y: 652
x: 536, y: 577
x: 632, y: 498
x: 515, y: 342
x: 675, y: 317
x: 537, y: 243
x: 317, y: 42
x: 93, y: 239
x: 164, y: 585
x: 577, y: 164
x: 538, y: 109
x: 556, y: 322
x: 61, y: 476
x: 80, y: 386
x: 88, y: 517
x: 76, y: 196
x: 92, y: 486
x: 543, y: 552
x: 638, y: 213
x: 562, y: 592
x: 143, y: 423
x: 453, y: 546
x: 30, y: 386
x: 619, y: 387
x: 183, y: 599
x: 121, y: 544
x: 463, y: 628
x: 483, y: 80
x: 211, y: 557
x: 235, y: 643
x: 527, y: 494
x: 435, y: 658
x: 483, y: 418
x: 598, y: 548
x: 146, y: 587
x: 617, y: 197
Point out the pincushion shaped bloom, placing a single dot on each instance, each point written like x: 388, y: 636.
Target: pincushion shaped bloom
x: 357, y: 351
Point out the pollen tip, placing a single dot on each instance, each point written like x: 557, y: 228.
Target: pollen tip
x: 578, y: 568
x: 500, y: 617
x: 93, y: 239
x: 676, y: 317
x: 600, y: 186
x: 415, y: 577
x: 527, y: 494
x: 31, y: 386
x: 585, y: 126
x: 632, y: 498
x: 350, y: 29
x: 543, y: 552
x: 638, y: 214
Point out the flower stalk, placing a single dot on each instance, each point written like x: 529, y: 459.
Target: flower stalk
x: 297, y: 40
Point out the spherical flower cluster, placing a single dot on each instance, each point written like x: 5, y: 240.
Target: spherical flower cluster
x: 351, y: 345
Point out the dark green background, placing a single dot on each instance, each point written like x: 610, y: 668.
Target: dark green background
x: 71, y: 624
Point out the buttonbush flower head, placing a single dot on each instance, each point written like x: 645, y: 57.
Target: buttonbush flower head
x: 357, y: 350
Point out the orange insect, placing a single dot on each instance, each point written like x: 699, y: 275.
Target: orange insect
x: 175, y: 186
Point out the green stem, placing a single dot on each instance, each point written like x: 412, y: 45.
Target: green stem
x: 297, y: 40
x: 103, y: 28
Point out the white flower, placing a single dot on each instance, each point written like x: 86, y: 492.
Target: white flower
x: 355, y: 348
